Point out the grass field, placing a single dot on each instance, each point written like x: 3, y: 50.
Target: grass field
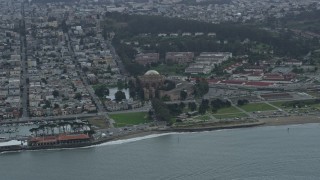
x: 203, y: 117
x: 234, y: 115
x: 315, y: 106
x: 127, y: 119
x: 230, y: 109
x: 281, y: 104
x: 257, y: 107
x: 98, y: 122
x: 170, y: 69
x: 278, y: 104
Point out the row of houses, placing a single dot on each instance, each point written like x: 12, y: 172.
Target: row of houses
x: 55, y: 87
x: 206, y: 61
x: 203, y: 63
x: 10, y: 60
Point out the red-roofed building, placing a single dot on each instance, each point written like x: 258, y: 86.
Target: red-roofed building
x: 257, y: 83
x: 232, y: 82
x: 59, y: 139
x: 278, y: 77
x: 63, y: 137
x: 213, y: 81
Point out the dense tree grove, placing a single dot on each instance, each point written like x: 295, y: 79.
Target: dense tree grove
x: 283, y: 43
x: 168, y: 85
x: 218, y: 104
x: 174, y: 109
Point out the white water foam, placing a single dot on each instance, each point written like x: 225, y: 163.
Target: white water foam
x: 123, y: 141
x: 115, y: 142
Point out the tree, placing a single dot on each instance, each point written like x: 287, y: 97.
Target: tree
x: 132, y: 93
x: 101, y: 90
x: 242, y: 102
x: 109, y: 68
x: 34, y: 130
x: 150, y: 113
x: 192, y: 106
x: 201, y: 87
x: 132, y: 88
x: 120, y: 96
x: 47, y: 104
x: 166, y: 98
x: 174, y: 109
x: 182, y: 105
x: 120, y: 85
x: 204, y: 106
x: 44, y: 80
x: 55, y: 93
x: 56, y: 106
x: 85, y: 69
x: 183, y: 95
x: 161, y: 111
x: 168, y: 85
x: 202, y: 109
x: 52, y: 126
x: 78, y: 96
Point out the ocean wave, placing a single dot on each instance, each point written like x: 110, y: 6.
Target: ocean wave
x: 123, y: 141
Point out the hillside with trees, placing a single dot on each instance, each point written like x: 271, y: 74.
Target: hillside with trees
x: 239, y: 39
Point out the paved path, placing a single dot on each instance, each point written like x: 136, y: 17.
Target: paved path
x: 96, y: 100
x: 23, y: 80
x: 235, y: 106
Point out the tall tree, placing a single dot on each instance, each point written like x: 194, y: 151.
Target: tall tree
x: 183, y: 95
x: 161, y: 111
x: 119, y: 96
x: 192, y: 106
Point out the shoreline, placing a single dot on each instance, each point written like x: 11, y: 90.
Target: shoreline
x: 290, y: 120
x: 280, y: 121
x: 263, y: 122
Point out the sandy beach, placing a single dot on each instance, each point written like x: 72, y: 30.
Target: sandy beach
x: 290, y: 120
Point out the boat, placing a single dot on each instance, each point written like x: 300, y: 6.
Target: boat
x: 12, y: 145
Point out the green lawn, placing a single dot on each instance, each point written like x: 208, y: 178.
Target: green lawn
x: 170, y: 69
x: 230, y: 109
x: 257, y: 107
x: 127, y: 119
x: 98, y: 122
x: 226, y: 116
x: 203, y: 117
x: 281, y: 104
x: 278, y: 104
x: 315, y: 106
